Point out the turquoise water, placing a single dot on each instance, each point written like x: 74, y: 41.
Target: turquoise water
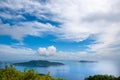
x: 74, y: 70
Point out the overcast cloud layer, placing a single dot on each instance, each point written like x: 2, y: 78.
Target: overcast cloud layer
x: 68, y: 20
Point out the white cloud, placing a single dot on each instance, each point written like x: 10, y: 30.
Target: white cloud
x: 16, y: 53
x: 21, y: 30
x: 80, y: 19
x: 32, y: 7
x: 102, y: 21
x: 51, y: 50
x: 15, y: 50
x: 71, y: 14
x: 9, y: 16
x: 108, y: 42
x: 9, y: 53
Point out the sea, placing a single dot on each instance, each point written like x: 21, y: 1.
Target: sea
x: 75, y: 70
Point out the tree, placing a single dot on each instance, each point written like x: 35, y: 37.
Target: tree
x: 102, y: 77
x: 10, y: 73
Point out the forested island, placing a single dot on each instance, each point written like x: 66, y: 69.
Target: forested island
x: 39, y: 63
x: 87, y: 61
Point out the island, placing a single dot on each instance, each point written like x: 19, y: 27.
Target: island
x: 38, y: 63
x: 87, y: 61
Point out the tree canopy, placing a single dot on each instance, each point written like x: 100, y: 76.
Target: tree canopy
x: 10, y: 73
x: 102, y: 77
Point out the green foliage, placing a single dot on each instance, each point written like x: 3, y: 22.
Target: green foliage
x: 10, y: 73
x: 102, y: 77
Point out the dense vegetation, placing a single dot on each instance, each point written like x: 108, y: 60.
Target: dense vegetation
x: 102, y: 77
x: 10, y: 73
x: 39, y: 63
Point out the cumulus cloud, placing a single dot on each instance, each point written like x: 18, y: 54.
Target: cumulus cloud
x: 42, y: 51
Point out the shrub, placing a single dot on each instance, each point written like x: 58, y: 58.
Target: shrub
x: 102, y: 77
x: 10, y: 73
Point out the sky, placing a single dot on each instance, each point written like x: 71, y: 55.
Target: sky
x: 59, y: 29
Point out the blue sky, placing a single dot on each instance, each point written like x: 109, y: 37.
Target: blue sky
x: 59, y: 29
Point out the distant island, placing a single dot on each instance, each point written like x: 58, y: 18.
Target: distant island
x: 87, y: 61
x: 38, y: 63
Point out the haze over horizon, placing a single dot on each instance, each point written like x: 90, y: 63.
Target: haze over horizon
x: 59, y: 29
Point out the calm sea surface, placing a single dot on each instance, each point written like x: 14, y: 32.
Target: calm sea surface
x: 74, y: 70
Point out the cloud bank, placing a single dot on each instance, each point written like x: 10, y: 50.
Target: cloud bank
x: 13, y: 53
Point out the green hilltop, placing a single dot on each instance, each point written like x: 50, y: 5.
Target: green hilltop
x: 38, y: 63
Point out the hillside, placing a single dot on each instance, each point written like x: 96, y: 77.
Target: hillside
x: 39, y: 63
x: 10, y: 73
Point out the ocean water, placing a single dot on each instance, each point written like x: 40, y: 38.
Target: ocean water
x: 74, y: 70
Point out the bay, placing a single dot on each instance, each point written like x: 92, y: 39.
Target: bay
x: 75, y: 70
